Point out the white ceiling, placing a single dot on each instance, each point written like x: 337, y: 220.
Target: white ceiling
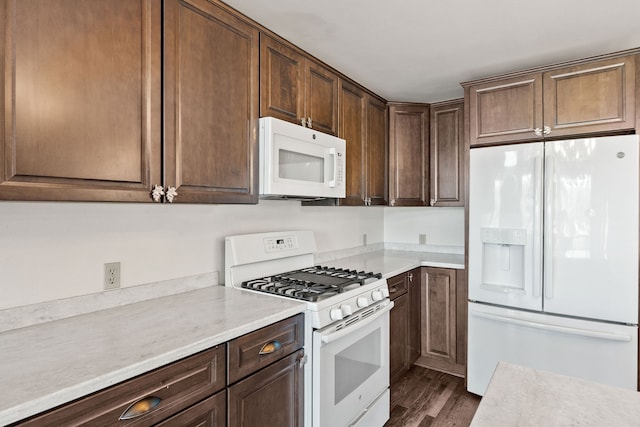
x: 420, y: 50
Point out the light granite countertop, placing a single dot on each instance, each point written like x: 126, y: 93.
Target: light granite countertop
x: 524, y: 397
x: 391, y: 262
x: 49, y: 364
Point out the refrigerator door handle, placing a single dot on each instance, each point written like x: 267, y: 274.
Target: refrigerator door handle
x: 537, y: 232
x: 549, y: 207
x: 611, y: 336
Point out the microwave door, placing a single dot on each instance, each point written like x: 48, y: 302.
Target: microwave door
x: 302, y: 168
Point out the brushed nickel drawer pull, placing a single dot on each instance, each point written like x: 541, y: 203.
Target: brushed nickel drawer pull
x: 140, y: 408
x: 270, y: 347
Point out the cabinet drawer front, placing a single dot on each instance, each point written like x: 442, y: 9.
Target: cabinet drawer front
x: 398, y: 286
x: 274, y: 341
x: 177, y: 385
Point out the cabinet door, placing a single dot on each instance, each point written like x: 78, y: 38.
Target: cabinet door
x: 505, y: 111
x: 321, y: 98
x: 439, y: 317
x: 211, y: 104
x: 81, y: 100
x: 282, y: 74
x: 447, y: 154
x: 211, y: 412
x: 352, y: 128
x: 399, y: 338
x: 376, y: 152
x: 273, y: 396
x: 594, y: 97
x: 408, y: 154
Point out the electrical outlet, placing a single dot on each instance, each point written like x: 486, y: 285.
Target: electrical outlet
x: 111, y: 275
x: 422, y: 239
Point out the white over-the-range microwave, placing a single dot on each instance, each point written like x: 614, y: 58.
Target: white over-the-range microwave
x: 300, y: 163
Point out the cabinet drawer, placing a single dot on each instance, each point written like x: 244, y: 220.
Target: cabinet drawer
x: 178, y: 386
x: 398, y: 285
x: 258, y: 349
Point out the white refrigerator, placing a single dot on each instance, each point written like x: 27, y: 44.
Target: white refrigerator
x: 553, y: 259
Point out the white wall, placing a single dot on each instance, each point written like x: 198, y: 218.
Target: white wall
x: 442, y: 226
x: 50, y: 251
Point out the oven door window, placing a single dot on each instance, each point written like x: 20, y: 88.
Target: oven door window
x: 350, y: 369
x: 356, y: 364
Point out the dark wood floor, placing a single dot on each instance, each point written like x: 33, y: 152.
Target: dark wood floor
x: 427, y: 398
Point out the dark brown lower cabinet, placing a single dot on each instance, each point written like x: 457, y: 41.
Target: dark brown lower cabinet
x: 211, y: 412
x: 443, y: 324
x: 404, y: 322
x: 273, y: 396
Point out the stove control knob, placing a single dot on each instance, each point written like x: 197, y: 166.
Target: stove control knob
x: 335, y: 314
x: 362, y: 302
x: 385, y: 292
x: 376, y: 295
x: 346, y: 310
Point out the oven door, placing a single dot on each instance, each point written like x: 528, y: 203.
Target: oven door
x: 351, y: 369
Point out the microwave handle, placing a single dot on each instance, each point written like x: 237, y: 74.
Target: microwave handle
x: 332, y: 152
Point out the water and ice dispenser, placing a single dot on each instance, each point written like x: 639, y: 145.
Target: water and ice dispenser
x: 503, y: 251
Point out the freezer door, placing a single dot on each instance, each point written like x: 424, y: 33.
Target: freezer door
x: 505, y: 225
x: 597, y: 351
x: 591, y: 228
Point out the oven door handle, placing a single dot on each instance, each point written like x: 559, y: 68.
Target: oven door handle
x: 334, y: 336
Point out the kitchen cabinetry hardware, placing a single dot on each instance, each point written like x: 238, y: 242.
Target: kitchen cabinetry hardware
x: 139, y: 408
x: 309, y: 122
x: 171, y: 194
x: 547, y: 130
x: 392, y: 202
x: 302, y: 360
x: 537, y: 131
x: 411, y: 277
x: 270, y: 347
x: 157, y: 193
x: 432, y: 202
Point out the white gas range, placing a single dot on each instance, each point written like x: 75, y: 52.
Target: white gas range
x: 347, y: 323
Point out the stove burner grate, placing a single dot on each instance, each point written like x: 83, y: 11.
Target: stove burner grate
x: 312, y: 283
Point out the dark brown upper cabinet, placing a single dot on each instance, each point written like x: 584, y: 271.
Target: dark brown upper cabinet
x: 426, y: 154
x: 592, y: 96
x: 447, y: 154
x: 408, y: 154
x: 88, y: 128
x: 363, y: 124
x: 81, y: 100
x: 296, y: 88
x: 211, y: 103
